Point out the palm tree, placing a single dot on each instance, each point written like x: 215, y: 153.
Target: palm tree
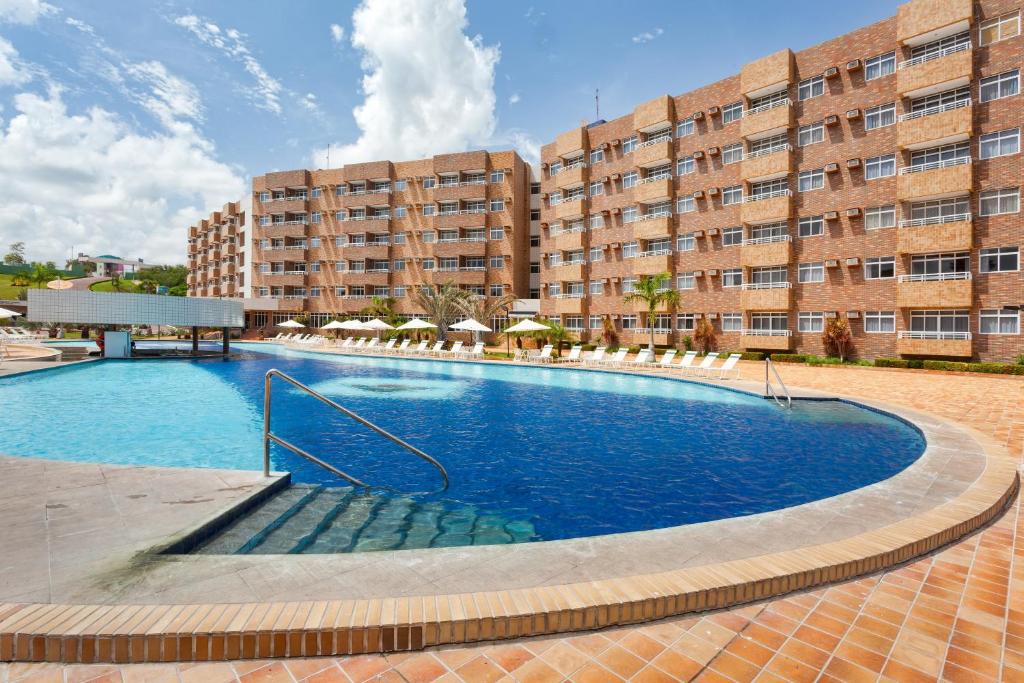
x: 115, y: 282
x: 381, y: 307
x: 149, y: 286
x: 556, y: 334
x: 651, y: 290
x: 41, y: 274
x: 442, y: 304
x: 484, y: 310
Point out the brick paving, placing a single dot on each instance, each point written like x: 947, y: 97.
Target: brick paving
x: 957, y: 614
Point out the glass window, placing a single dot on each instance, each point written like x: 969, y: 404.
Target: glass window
x: 1001, y: 85
x: 630, y: 249
x: 880, y: 116
x: 769, y: 322
x: 732, y: 236
x: 880, y: 268
x: 732, y: 112
x: 811, y: 87
x: 811, y: 272
x: 686, y: 281
x: 732, y: 195
x: 732, y: 277
x: 686, y: 242
x: 429, y: 182
x: 497, y: 205
x: 880, y: 166
x: 940, y: 210
x: 596, y: 254
x: 629, y: 322
x: 686, y: 204
x: 596, y: 188
x: 596, y: 156
x: 497, y: 176
x: 685, y: 321
x: 628, y: 283
x: 596, y: 322
x: 999, y: 260
x: 931, y: 104
x: 732, y: 153
x: 879, y: 322
x: 999, y: 321
x: 629, y: 214
x: 555, y: 168
x: 595, y: 222
x: 630, y: 179
x: 876, y: 217
x: 685, y: 165
x: 943, y: 153
x: 810, y: 134
x: 596, y: 287
x: 1000, y: 143
x: 811, y: 226
x: 995, y: 202
x: 629, y: 144
x: 811, y: 180
x: 732, y: 322
x: 428, y: 209
x: 496, y: 262
x: 1000, y: 28
x: 940, y: 322
x: 810, y: 322
x: 939, y: 264
x: 882, y: 65
x: 684, y: 127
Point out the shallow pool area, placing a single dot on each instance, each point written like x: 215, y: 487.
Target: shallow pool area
x: 558, y: 453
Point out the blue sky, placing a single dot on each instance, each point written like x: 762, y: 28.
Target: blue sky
x: 192, y: 99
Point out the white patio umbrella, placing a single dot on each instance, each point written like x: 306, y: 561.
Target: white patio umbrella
x: 523, y: 326
x: 378, y: 325
x: 470, y: 325
x: 417, y: 324
x: 290, y: 323
x: 334, y: 325
x: 8, y: 313
x: 351, y: 325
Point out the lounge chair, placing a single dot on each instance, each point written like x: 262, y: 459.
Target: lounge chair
x: 436, y: 349
x: 371, y: 345
x: 542, y: 356
x: 686, y: 362
x: 705, y: 364
x: 419, y: 349
x: 454, y: 351
x: 666, y: 359
x: 616, y: 360
x: 596, y: 356
x: 727, y: 368
x: 476, y: 352
x: 574, y: 355
x: 277, y: 338
x: 641, y: 359
x: 390, y: 345
x: 358, y: 345
x: 344, y: 343
x: 401, y: 347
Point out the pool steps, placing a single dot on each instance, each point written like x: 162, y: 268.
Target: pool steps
x: 319, y: 519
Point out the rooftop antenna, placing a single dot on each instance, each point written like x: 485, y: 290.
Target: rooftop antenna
x: 328, y: 155
x: 597, y: 104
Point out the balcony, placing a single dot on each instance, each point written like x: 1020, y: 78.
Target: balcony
x: 566, y: 240
x: 461, y: 191
x: 571, y: 142
x: 935, y: 235
x: 370, y: 250
x: 653, y: 226
x: 573, y: 207
x: 767, y: 120
x: 459, y: 247
x: 766, y: 251
x: 935, y: 180
x: 641, y: 336
x: 938, y: 290
x: 772, y: 296
x: 282, y: 230
x: 572, y: 176
x: 284, y: 279
x: 945, y: 344
x: 767, y: 74
x: 768, y: 340
x: 944, y: 70
x: 656, y: 152
x: 641, y: 307
x: 653, y: 262
x: 767, y: 164
x: 935, y: 126
x: 568, y: 303
x: 653, y: 114
x: 290, y: 303
x: 358, y: 224
x: 922, y: 21
x: 567, y: 271
x: 767, y: 207
x: 650, y: 190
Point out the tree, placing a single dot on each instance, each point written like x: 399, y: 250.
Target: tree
x: 555, y: 335
x: 484, y: 310
x: 381, y: 307
x: 178, y: 290
x: 115, y: 282
x: 42, y: 273
x: 608, y: 334
x: 88, y: 267
x: 16, y: 255
x: 168, y: 276
x: 149, y: 286
x: 442, y: 304
x: 651, y: 290
x: 837, y: 338
x: 704, y: 335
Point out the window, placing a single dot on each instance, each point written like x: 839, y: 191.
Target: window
x: 996, y: 321
x: 596, y: 156
x: 534, y: 267
x: 596, y: 254
x: 685, y: 165
x: 879, y: 66
x: 427, y: 264
x: 810, y: 322
x: 429, y: 182
x: 941, y: 323
x: 264, y: 196
x: 596, y: 287
x: 732, y: 195
x: 264, y: 220
x: 940, y: 210
x: 314, y: 267
x: 315, y: 217
x: 596, y: 188
x: 314, y: 291
x: 684, y: 127
x: 879, y: 322
x: 880, y: 116
x: 497, y: 205
x: 768, y: 322
x: 596, y: 322
x: 630, y: 179
x: 939, y: 264
x: 932, y: 104
x: 686, y: 242
x: 686, y: 281
x: 497, y: 176
x: 811, y: 226
x: 999, y: 260
x: 732, y: 112
x: 496, y: 262
x: 428, y: 209
x: 685, y: 322
x: 629, y: 214
x: 732, y: 277
x: 339, y: 266
x: 1001, y: 85
x: 811, y: 87
x: 1001, y: 143
x: 880, y: 268
x: 876, y: 217
x: 629, y: 144
x: 686, y: 204
x: 1000, y: 28
x: 630, y: 249
x: 810, y: 134
x: 769, y: 275
x: 732, y: 153
x: 995, y: 202
x: 629, y: 322
x: 314, y: 242
x: 811, y: 180
x: 732, y: 322
x: 732, y: 236
x: 811, y: 272
x: 880, y: 167
x: 943, y: 153
x: 596, y: 222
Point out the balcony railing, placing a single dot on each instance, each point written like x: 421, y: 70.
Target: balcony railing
x: 935, y: 55
x: 935, y: 220
x: 650, y: 142
x: 377, y: 270
x: 767, y: 240
x: 933, y: 165
x: 473, y: 239
x: 937, y: 109
x: 570, y: 295
x: 292, y: 296
x: 285, y: 199
x: 653, y: 215
x: 913, y: 334
x: 574, y: 262
x: 766, y: 285
x: 766, y: 333
x: 479, y: 181
x: 781, y: 147
x: 655, y: 252
x: 295, y: 272
x: 767, y: 195
x: 655, y: 178
x: 472, y: 211
x: 768, y: 107
x: 934, y: 277
x: 555, y: 232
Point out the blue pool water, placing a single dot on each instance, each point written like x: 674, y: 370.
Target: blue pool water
x: 575, y: 453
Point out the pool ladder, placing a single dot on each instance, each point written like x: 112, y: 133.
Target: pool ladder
x: 769, y: 388
x: 269, y: 436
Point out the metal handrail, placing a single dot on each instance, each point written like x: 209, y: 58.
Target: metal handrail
x: 769, y: 389
x: 268, y: 437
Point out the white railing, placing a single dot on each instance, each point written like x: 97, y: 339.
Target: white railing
x: 446, y: 240
x: 301, y: 197
x: 295, y: 272
x: 573, y: 198
x: 655, y: 252
x: 448, y: 269
x: 767, y: 240
x: 654, y: 215
x: 767, y: 195
x: 936, y: 220
x: 933, y: 165
x: 767, y: 285
x: 480, y: 181
x: 292, y: 296
x: 953, y: 49
x: 555, y: 232
x: 782, y: 147
x: 751, y: 332
x: 911, y: 334
x: 473, y: 239
x: 768, y: 107
x: 934, y: 277
x: 575, y: 164
x: 937, y: 109
x: 378, y: 243
x: 656, y: 178
x: 574, y: 262
x: 650, y: 142
x: 356, y: 193
x: 647, y: 330
x: 377, y: 270
x: 357, y: 296
x: 472, y: 211
x: 448, y: 212
x: 570, y: 295
x: 298, y: 221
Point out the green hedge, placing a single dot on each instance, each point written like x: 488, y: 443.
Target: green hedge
x: 951, y: 366
x: 789, y: 357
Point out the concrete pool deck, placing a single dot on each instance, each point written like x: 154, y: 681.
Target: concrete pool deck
x: 633, y: 601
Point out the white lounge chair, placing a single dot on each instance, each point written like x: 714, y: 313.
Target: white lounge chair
x: 358, y: 345
x: 616, y: 360
x: 574, y: 355
x: 389, y: 346
x: 277, y: 338
x: 454, y: 351
x: 542, y: 356
x: 419, y: 349
x: 686, y: 362
x: 344, y: 344
x: 596, y: 356
x: 436, y: 349
x: 705, y: 364
x: 641, y: 359
x: 476, y: 352
x: 727, y: 368
x: 666, y: 359
x: 401, y: 347
x: 371, y: 345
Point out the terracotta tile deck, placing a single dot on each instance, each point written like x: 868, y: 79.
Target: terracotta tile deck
x: 956, y: 614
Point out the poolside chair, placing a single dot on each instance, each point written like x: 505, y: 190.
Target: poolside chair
x: 436, y: 349
x: 476, y: 352
x: 454, y: 351
x: 641, y: 359
x: 686, y: 362
x: 596, y: 356
x: 666, y: 359
x: 615, y: 360
x: 390, y: 345
x: 358, y: 345
x: 542, y: 356
x: 727, y: 368
x: 371, y: 345
x: 574, y: 355
x: 420, y: 349
x: 705, y: 364
x: 401, y: 347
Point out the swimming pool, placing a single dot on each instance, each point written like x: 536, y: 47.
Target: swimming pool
x: 567, y: 453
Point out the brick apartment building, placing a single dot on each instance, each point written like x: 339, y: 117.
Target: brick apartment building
x: 217, y: 251
x: 326, y: 242
x: 874, y: 177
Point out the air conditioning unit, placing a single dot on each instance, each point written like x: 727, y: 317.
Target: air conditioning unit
x: 831, y: 168
x: 831, y: 72
x: 697, y: 115
x: 832, y: 263
x: 853, y: 315
x: 831, y: 314
x: 852, y: 114
x: 713, y: 111
x: 698, y: 233
x: 713, y: 151
x: 853, y: 261
x: 831, y: 215
x: 543, y: 164
x: 853, y: 212
x: 603, y: 145
x: 712, y: 272
x: 852, y: 163
x: 616, y: 211
x: 712, y: 232
x: 698, y: 273
x: 712, y: 191
x: 699, y: 194
x: 615, y: 176
x: 831, y: 120
x: 605, y: 179
x: 711, y: 316
x: 698, y: 154
x: 853, y: 65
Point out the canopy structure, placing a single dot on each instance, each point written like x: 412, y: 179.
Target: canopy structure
x: 527, y: 325
x: 290, y: 323
x: 377, y: 324
x: 417, y: 324
x: 333, y: 325
x: 470, y: 325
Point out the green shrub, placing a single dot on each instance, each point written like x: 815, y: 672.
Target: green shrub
x: 634, y: 349
x: 996, y: 368
x: 789, y: 357
x: 824, y: 360
x: 1020, y: 359
x: 589, y: 347
x: 864, y: 362
x: 688, y: 345
x: 891, y: 363
x: 946, y: 365
x: 752, y: 355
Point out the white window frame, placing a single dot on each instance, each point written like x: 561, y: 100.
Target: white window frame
x: 732, y: 112
x: 630, y: 179
x: 812, y: 272
x: 998, y: 253
x: 811, y: 87
x: 814, y: 225
x: 882, y: 116
x: 878, y: 262
x: 999, y: 81
x: 732, y: 322
x: 808, y: 181
x: 732, y: 154
x: 596, y: 188
x: 810, y: 322
x: 886, y: 213
x: 884, y: 166
x: 1007, y: 201
x: 879, y: 66
x: 810, y: 134
x: 735, y: 236
x: 732, y: 195
x: 1010, y: 20
x: 999, y: 315
x: 1001, y: 138
x: 884, y: 322
x: 685, y: 127
x: 732, y: 278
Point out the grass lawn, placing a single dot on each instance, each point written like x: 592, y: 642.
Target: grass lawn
x: 127, y: 287
x: 7, y: 290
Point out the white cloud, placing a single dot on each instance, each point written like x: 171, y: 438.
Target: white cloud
x: 12, y: 72
x: 169, y: 97
x: 438, y: 97
x: 337, y: 33
x: 24, y: 11
x: 647, y: 36
x: 91, y: 181
x: 513, y: 98
x: 267, y: 93
x: 524, y: 143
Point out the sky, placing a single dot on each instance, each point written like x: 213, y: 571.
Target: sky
x: 121, y: 123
